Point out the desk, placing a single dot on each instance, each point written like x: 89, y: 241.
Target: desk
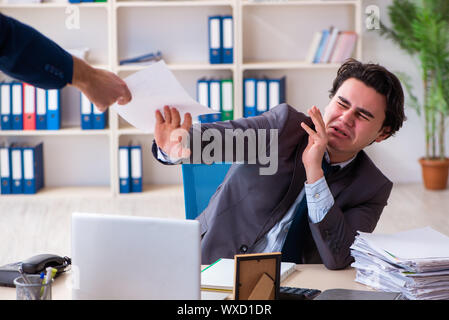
x: 314, y: 276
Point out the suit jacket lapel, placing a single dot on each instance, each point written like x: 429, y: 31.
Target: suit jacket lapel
x: 342, y: 178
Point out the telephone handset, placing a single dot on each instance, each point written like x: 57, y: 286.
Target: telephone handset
x: 33, y: 265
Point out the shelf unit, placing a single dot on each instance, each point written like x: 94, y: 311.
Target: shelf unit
x: 270, y: 39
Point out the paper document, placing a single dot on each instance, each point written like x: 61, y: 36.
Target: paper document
x: 151, y: 90
x: 414, y: 262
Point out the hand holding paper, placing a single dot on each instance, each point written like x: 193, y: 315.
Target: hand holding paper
x: 152, y: 89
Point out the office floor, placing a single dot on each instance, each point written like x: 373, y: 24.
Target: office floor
x: 42, y: 224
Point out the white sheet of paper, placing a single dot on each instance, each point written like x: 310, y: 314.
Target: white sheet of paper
x: 423, y: 243
x: 152, y: 89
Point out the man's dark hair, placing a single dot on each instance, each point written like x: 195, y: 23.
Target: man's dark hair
x: 381, y: 80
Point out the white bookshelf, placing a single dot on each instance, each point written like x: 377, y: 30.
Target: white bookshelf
x: 270, y: 39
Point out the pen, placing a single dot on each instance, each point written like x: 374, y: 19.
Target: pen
x: 51, y: 272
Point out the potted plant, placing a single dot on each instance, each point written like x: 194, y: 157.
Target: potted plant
x: 421, y: 28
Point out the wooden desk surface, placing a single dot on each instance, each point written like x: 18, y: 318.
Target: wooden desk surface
x: 314, y: 276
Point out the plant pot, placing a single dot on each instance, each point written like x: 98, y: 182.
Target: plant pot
x: 435, y: 173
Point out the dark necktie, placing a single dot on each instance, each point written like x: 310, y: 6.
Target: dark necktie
x: 294, y: 243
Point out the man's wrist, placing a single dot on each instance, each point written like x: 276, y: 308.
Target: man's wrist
x: 314, y: 174
x: 81, y: 71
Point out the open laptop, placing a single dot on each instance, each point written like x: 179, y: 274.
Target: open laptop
x: 127, y: 257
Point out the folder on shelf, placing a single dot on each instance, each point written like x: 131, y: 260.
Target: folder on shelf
x: 215, y: 100
x: 29, y: 107
x: 215, y: 40
x: 33, y: 169
x: 17, y: 105
x: 262, y: 96
x: 136, y: 168
x: 124, y: 169
x: 41, y: 109
x: 53, y: 109
x: 202, y: 94
x: 249, y: 97
x: 16, y: 170
x: 276, y: 92
x: 5, y: 170
x: 228, y: 39
x: 323, y: 42
x: 227, y: 99
x: 86, y: 112
x: 5, y: 107
x: 99, y: 118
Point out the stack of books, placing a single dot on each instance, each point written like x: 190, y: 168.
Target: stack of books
x: 331, y: 46
x: 414, y: 262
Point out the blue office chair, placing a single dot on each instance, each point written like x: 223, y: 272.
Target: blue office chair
x: 200, y: 183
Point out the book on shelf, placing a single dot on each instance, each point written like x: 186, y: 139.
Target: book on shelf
x: 331, y: 46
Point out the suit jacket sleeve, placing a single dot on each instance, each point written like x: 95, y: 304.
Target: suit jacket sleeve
x: 250, y: 138
x: 335, y: 234
x: 29, y: 56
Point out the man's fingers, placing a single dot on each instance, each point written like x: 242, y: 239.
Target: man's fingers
x: 176, y: 118
x: 167, y: 114
x: 317, y: 119
x: 187, y: 121
x: 159, y: 117
x: 308, y: 129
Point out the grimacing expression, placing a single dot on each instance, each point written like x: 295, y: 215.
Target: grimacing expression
x: 354, y: 119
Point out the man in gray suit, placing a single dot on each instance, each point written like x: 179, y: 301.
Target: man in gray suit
x: 251, y: 212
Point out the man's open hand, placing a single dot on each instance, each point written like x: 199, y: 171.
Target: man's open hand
x: 170, y: 134
x: 314, y: 152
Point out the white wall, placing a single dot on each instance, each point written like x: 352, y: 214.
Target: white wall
x: 396, y: 157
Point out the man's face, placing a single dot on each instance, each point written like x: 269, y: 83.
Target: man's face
x: 354, y: 119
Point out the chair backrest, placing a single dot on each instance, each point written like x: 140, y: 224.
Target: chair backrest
x: 200, y: 183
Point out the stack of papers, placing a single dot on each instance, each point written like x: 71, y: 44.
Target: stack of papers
x: 219, y: 276
x: 414, y: 262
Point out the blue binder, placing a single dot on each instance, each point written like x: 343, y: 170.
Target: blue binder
x: 53, y: 109
x: 215, y: 40
x: 249, y: 97
x: 215, y: 100
x: 17, y: 106
x: 5, y: 170
x: 228, y: 39
x: 16, y: 170
x: 262, y: 96
x: 321, y: 47
x: 203, y: 97
x: 5, y: 106
x: 136, y: 168
x: 41, y: 109
x: 86, y: 112
x: 98, y: 118
x: 276, y: 92
x: 33, y: 172
x: 124, y: 169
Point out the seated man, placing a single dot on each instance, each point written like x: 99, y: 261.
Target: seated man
x: 324, y: 189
